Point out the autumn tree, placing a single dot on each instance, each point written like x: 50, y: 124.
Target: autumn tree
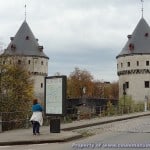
x: 16, y: 89
x: 110, y: 90
x: 107, y: 90
x: 82, y: 79
x: 79, y: 81
x: 98, y: 89
x: 114, y: 90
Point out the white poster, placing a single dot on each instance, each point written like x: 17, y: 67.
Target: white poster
x: 54, y: 96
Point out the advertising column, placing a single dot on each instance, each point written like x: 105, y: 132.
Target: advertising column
x: 55, y: 100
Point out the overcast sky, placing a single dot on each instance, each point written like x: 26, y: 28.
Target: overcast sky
x: 87, y: 34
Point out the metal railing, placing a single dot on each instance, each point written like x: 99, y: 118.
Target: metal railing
x: 87, y: 112
x: 20, y: 119
x: 13, y: 120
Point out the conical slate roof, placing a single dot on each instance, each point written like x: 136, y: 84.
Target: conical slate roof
x: 24, y: 43
x: 139, y: 41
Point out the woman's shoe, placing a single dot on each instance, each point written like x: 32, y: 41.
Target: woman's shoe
x: 38, y: 133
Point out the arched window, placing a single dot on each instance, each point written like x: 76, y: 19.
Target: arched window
x: 27, y: 37
x: 19, y: 61
x: 131, y: 46
x: 121, y: 65
x: 29, y: 61
x: 146, y: 34
x: 13, y: 47
x: 128, y: 64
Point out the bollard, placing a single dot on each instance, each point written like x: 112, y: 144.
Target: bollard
x: 100, y: 112
x: 0, y: 124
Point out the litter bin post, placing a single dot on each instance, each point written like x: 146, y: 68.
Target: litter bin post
x: 55, y: 125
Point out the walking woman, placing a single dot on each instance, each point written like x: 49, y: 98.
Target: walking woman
x: 36, y: 118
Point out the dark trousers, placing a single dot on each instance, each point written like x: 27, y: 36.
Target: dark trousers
x: 36, y: 127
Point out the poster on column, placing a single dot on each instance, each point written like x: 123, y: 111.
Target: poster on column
x: 55, y: 95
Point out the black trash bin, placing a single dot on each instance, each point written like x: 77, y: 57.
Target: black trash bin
x: 55, y: 125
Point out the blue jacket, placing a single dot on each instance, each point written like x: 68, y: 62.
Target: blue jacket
x: 37, y: 107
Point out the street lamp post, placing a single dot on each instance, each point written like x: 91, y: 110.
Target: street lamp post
x: 83, y: 95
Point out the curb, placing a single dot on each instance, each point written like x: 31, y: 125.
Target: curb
x: 27, y: 142
x: 103, y: 122
x: 74, y: 137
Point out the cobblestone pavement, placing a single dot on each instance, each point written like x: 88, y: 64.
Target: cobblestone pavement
x: 133, y: 125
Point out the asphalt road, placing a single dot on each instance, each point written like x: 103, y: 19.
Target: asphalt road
x: 131, y: 134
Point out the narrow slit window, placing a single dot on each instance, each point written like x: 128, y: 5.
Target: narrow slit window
x: 147, y: 63
x: 146, y: 84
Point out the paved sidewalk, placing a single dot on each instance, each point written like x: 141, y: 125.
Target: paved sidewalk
x: 24, y: 136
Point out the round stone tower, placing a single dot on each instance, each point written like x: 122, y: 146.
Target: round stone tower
x: 133, y: 64
x: 24, y: 49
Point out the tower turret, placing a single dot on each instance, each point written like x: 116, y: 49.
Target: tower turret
x: 133, y: 63
x: 25, y: 48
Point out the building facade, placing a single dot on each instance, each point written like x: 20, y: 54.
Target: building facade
x: 133, y: 64
x: 25, y: 50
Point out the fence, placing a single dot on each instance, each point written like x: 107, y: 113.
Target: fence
x: 87, y: 112
x: 13, y: 120
x: 20, y: 119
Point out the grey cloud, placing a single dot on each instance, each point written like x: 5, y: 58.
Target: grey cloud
x: 76, y: 33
